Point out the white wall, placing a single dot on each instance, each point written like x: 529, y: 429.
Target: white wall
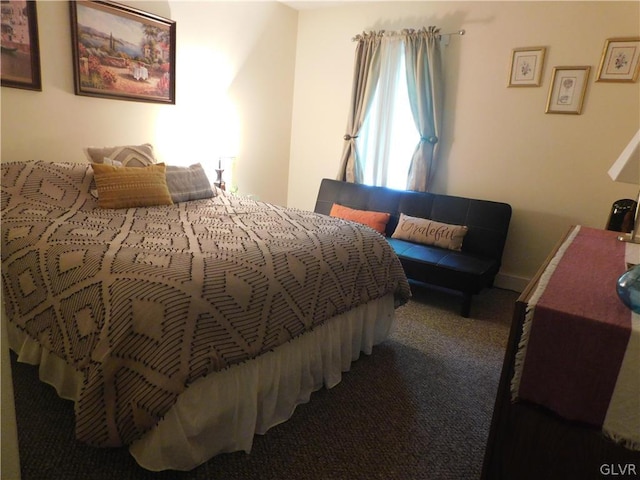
x: 234, y: 83
x: 498, y: 142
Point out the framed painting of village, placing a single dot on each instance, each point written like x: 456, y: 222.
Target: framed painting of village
x: 20, y: 63
x: 123, y: 53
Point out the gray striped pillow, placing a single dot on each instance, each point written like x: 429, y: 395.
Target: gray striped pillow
x: 188, y: 183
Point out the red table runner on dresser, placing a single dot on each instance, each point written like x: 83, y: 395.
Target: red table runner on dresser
x: 576, y: 336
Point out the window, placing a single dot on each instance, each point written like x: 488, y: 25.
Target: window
x: 388, y: 136
x: 393, y: 137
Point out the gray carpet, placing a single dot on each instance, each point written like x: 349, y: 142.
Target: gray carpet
x: 419, y: 407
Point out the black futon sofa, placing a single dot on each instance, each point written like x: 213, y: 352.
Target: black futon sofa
x: 467, y: 271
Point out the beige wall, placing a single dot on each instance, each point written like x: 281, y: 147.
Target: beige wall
x: 498, y: 142
x: 234, y: 82
x: 272, y: 85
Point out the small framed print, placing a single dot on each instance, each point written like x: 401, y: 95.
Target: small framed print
x: 620, y: 60
x: 526, y: 66
x: 567, y: 90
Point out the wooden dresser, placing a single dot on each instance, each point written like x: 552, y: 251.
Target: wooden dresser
x: 530, y: 441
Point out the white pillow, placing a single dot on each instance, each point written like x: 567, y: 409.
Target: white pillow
x: 127, y: 155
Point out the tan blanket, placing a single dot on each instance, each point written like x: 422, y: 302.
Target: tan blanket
x: 143, y: 301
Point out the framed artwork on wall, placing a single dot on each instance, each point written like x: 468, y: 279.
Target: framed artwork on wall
x: 20, y: 64
x: 526, y: 66
x: 122, y: 53
x: 620, y: 60
x: 567, y: 89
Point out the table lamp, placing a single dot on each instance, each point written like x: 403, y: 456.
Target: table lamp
x: 626, y: 169
x: 220, y: 183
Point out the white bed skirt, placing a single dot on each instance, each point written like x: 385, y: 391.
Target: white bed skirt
x: 223, y: 411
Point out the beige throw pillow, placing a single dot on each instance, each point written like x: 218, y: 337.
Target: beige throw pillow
x: 127, y: 155
x: 428, y: 232
x: 122, y: 187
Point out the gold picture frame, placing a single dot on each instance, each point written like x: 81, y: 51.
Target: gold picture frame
x: 567, y: 90
x: 620, y: 60
x: 526, y: 66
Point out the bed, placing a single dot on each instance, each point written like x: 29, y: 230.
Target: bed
x: 183, y: 329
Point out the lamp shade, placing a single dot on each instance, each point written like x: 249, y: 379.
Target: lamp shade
x: 626, y: 168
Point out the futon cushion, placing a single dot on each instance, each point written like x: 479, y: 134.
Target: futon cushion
x: 429, y: 232
x: 127, y: 155
x: 188, y: 183
x: 376, y: 220
x: 122, y: 187
x: 430, y: 255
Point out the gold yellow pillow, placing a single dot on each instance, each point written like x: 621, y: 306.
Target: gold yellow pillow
x: 125, y: 187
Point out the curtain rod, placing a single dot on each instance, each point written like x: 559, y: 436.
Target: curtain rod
x: 359, y: 36
x: 459, y: 32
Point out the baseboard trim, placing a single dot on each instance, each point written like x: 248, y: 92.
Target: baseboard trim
x: 511, y: 282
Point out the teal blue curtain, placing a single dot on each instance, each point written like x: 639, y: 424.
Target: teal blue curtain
x: 425, y: 86
x: 365, y: 77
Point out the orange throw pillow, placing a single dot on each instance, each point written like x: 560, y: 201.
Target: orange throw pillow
x: 376, y: 220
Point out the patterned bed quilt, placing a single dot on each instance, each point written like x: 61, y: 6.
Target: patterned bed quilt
x: 144, y: 301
